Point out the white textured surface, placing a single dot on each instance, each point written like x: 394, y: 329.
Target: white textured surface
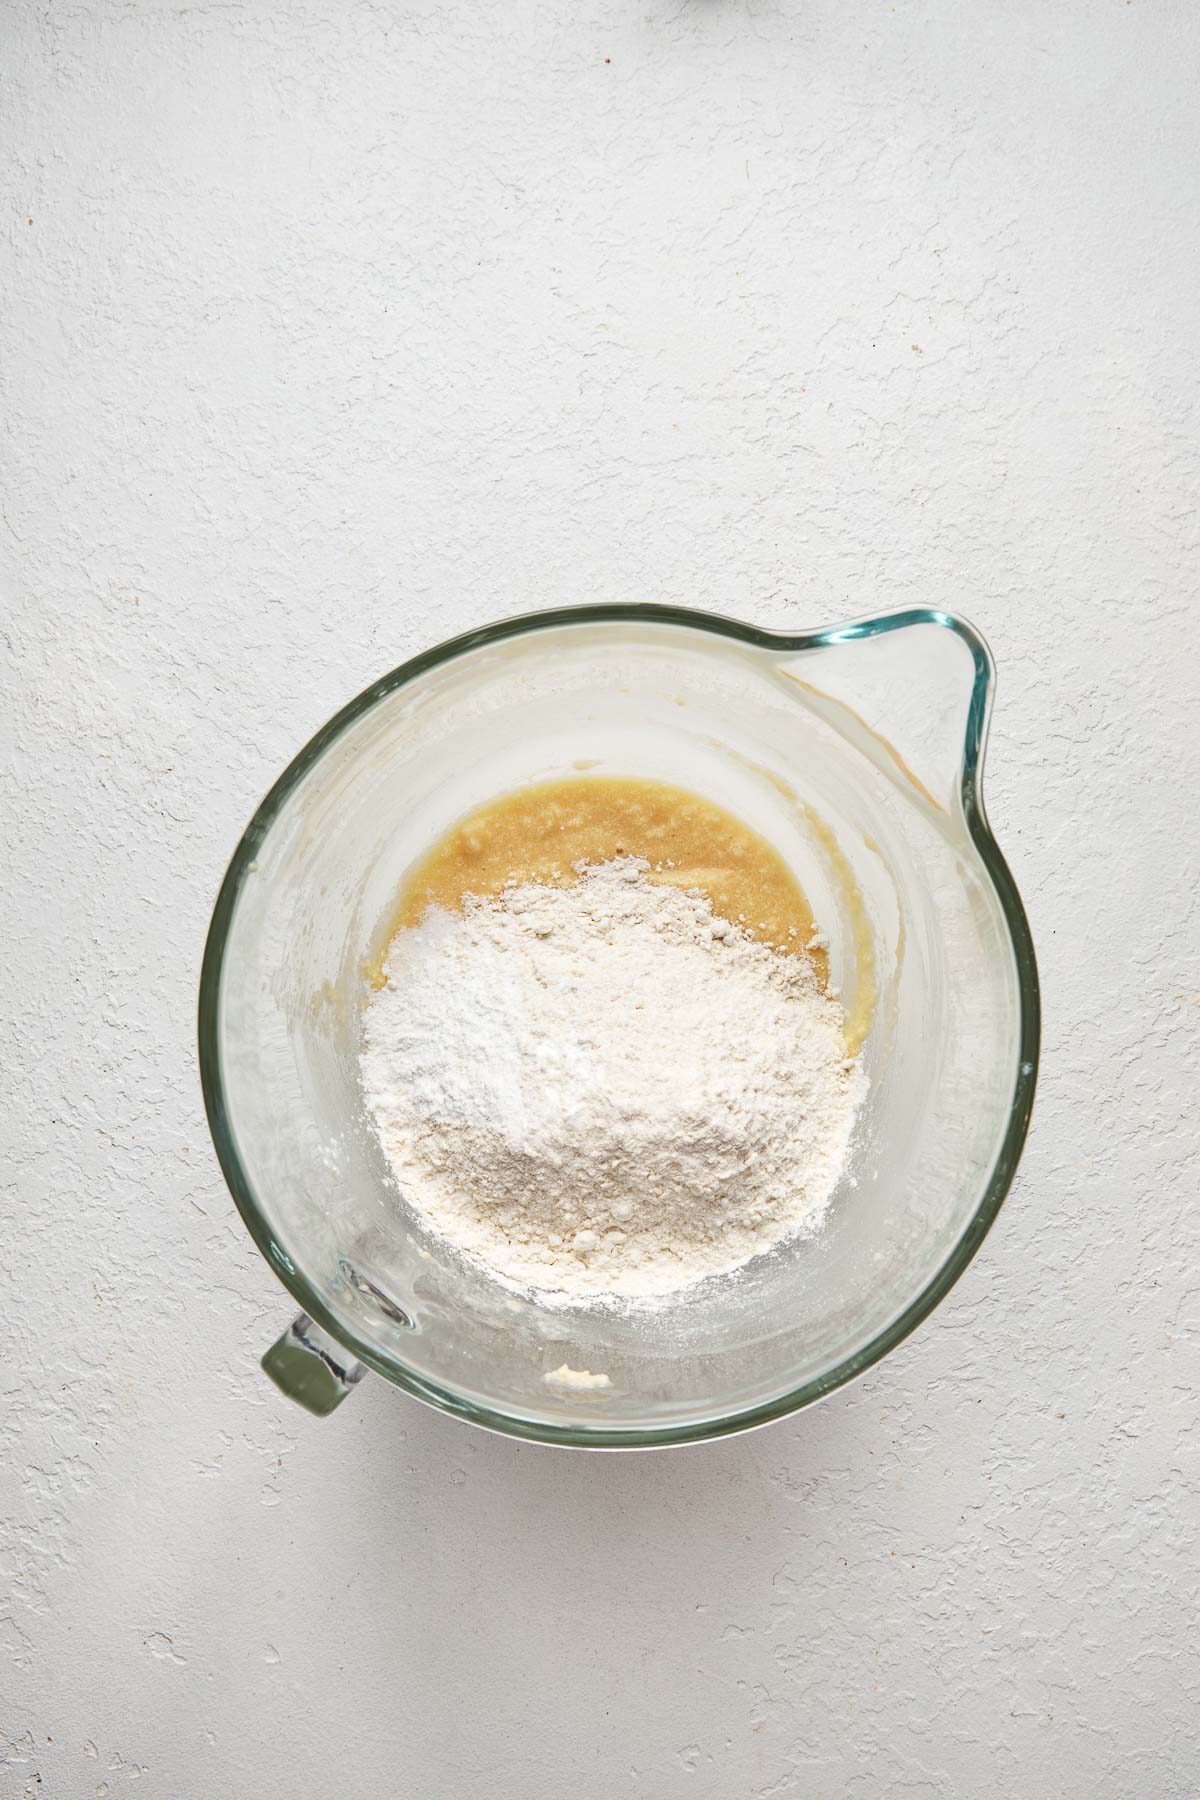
x: 338, y: 327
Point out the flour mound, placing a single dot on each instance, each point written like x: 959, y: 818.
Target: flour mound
x: 604, y: 1089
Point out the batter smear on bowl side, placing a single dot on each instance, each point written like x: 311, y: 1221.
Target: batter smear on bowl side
x: 601, y: 1055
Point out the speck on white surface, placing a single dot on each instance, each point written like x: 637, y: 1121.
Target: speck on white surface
x: 329, y: 330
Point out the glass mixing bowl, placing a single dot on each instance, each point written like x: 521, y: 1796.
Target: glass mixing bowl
x: 857, y: 753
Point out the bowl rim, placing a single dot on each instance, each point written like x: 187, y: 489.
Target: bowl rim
x: 581, y: 1435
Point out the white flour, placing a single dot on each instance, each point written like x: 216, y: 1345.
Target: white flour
x: 604, y: 1089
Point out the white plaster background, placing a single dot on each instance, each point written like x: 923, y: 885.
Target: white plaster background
x: 331, y: 328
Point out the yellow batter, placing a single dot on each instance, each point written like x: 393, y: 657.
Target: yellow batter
x: 539, y: 833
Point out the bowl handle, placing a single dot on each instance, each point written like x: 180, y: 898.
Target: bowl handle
x: 911, y: 690
x: 311, y: 1367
